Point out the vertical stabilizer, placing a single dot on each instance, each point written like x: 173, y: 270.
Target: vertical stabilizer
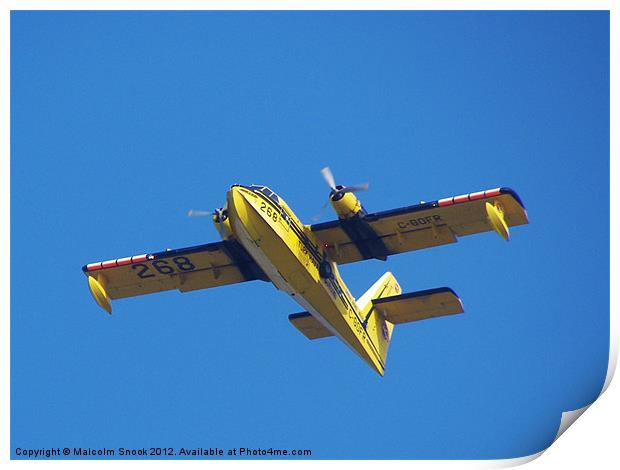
x: 377, y: 327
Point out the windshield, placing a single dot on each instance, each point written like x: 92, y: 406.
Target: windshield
x: 266, y: 191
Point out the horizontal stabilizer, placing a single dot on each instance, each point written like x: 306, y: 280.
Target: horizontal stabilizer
x: 309, y: 326
x: 419, y: 305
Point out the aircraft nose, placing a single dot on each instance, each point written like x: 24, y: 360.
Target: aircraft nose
x: 236, y: 188
x: 234, y: 193
x: 237, y: 204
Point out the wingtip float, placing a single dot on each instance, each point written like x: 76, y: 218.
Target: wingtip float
x: 262, y: 239
x: 99, y: 294
x: 495, y: 213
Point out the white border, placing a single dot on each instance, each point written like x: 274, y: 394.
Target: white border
x: 593, y: 442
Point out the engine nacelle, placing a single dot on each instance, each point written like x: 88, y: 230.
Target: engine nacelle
x: 222, y: 224
x: 346, y: 204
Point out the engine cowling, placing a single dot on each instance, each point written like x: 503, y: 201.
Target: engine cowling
x: 222, y: 223
x: 346, y: 204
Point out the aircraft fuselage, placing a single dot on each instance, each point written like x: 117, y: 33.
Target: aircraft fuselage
x: 289, y: 254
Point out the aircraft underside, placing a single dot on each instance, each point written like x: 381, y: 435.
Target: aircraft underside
x: 262, y: 239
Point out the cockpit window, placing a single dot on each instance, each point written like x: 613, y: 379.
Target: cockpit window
x: 266, y: 191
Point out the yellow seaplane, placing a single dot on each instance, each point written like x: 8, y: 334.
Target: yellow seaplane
x: 262, y: 239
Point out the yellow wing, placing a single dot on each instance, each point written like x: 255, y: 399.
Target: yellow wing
x: 419, y: 305
x: 309, y: 326
x: 185, y: 269
x: 397, y: 309
x: 424, y: 225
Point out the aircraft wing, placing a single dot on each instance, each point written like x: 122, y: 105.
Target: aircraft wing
x: 397, y: 309
x: 414, y: 306
x: 424, y: 225
x: 309, y: 326
x: 185, y: 269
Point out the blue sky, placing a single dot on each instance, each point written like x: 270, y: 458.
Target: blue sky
x: 121, y: 122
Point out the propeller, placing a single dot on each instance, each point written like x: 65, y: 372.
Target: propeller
x: 337, y: 191
x: 316, y: 217
x: 221, y: 214
x: 194, y: 213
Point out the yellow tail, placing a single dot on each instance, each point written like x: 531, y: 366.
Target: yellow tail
x: 377, y: 327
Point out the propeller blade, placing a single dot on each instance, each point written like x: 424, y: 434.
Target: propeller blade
x: 194, y: 213
x: 355, y: 188
x: 317, y: 217
x: 329, y: 177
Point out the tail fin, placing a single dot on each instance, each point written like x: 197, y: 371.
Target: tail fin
x: 383, y: 306
x: 377, y: 327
